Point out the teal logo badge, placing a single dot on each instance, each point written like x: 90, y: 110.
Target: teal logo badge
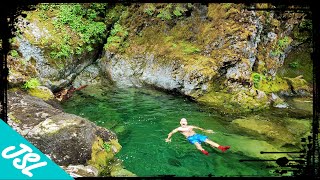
x: 19, y: 159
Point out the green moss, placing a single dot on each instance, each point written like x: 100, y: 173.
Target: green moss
x: 279, y: 131
x: 238, y: 102
x: 232, y: 11
x: 187, y: 48
x: 101, y: 157
x: 216, y: 98
x: 116, y: 38
x: 42, y: 93
x: 298, y: 83
x: 298, y: 62
x: 149, y: 9
x: 14, y: 89
x: 14, y: 119
x: 276, y: 85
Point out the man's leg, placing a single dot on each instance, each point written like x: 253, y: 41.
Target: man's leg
x: 199, y: 147
x: 215, y: 145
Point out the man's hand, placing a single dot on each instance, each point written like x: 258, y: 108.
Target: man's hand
x: 208, y: 131
x: 168, y: 140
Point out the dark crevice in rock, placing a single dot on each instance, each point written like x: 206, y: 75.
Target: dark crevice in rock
x: 226, y: 65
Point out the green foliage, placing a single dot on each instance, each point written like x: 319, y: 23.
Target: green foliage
x: 31, y: 83
x: 44, y: 6
x: 294, y: 65
x: 190, y: 5
x: 14, y: 53
x: 116, y: 37
x: 188, y: 48
x: 164, y: 14
x: 106, y: 146
x: 275, y: 52
x: 303, y: 32
x: 227, y: 6
x: 284, y: 42
x: 150, y: 9
x: 179, y: 10
x: 43, y: 16
x: 172, y: 10
x: 281, y: 45
x: 85, y: 21
x: 113, y: 14
x: 306, y: 24
x: 256, y: 78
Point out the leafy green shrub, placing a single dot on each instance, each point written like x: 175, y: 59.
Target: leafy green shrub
x: 85, y: 21
x: 306, y: 24
x: 116, y: 37
x: 179, y: 10
x: 150, y: 9
x: 284, y: 42
x: 275, y: 52
x: 281, y: 45
x: 31, y: 83
x: 14, y: 53
x: 256, y: 78
x: 164, y: 14
x: 294, y: 64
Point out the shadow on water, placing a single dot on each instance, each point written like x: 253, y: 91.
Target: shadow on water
x: 142, y: 119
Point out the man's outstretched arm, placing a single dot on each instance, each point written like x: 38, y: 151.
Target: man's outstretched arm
x: 204, y: 130
x: 170, y: 134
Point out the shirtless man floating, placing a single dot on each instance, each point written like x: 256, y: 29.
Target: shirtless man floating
x: 195, y: 138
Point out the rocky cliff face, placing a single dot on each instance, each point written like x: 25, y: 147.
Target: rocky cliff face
x: 214, y: 53
x: 54, y: 52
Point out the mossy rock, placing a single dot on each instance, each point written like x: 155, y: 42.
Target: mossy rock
x: 101, y: 157
x: 298, y: 84
x: 279, y: 132
x: 41, y: 92
x: 13, y: 118
x: 240, y: 102
x: 276, y: 85
x: 303, y: 103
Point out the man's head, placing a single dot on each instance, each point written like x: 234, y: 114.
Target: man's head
x: 183, y: 122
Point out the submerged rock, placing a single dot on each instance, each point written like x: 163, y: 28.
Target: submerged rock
x: 281, y: 132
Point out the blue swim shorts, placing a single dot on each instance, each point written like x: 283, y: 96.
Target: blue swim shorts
x: 197, y: 138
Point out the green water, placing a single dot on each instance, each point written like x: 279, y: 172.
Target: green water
x: 142, y: 118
